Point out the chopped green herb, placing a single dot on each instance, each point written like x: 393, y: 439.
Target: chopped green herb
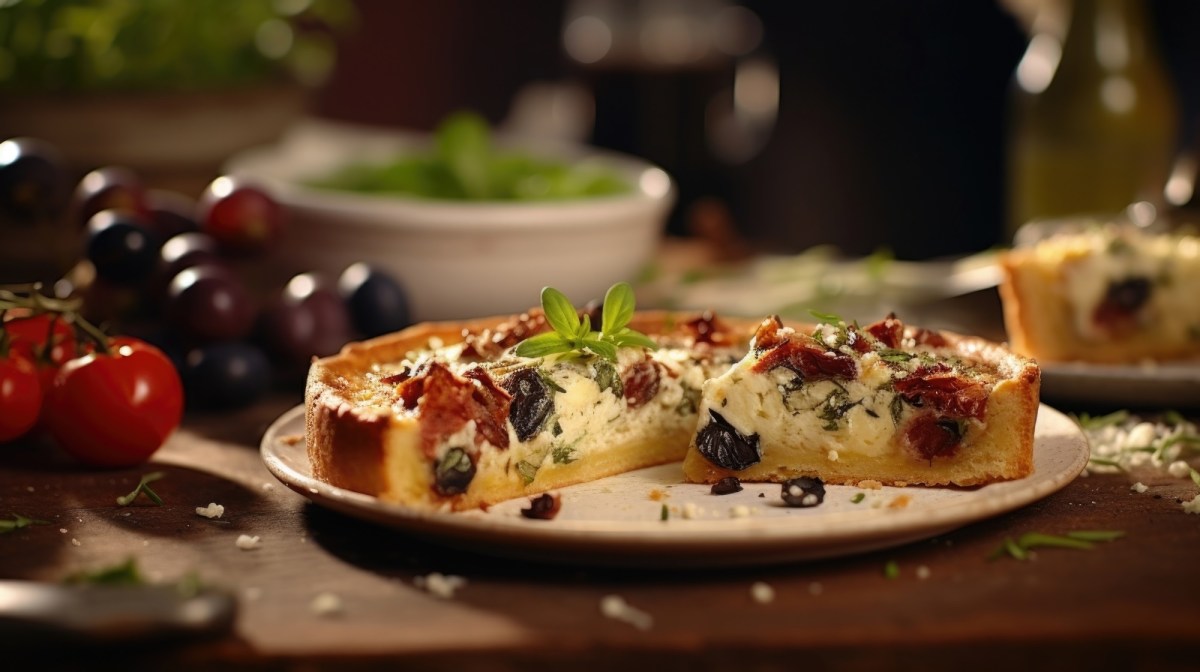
x: 1100, y: 421
x: 891, y: 570
x: 1080, y: 539
x: 665, y: 513
x: 897, y: 409
x: 573, y: 337
x: 143, y: 486
x: 607, y: 378
x: 121, y: 574
x: 18, y: 522
x: 563, y: 454
x: 827, y: 318
x: 896, y: 356
x: 528, y: 471
x: 834, y: 407
x: 858, y: 497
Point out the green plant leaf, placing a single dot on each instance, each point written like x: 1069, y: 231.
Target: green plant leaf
x: 603, y: 348
x: 618, y: 308
x: 549, y: 343
x: 559, y: 312
x: 630, y: 338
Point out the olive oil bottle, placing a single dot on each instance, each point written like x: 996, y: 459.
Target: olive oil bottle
x: 1093, y: 114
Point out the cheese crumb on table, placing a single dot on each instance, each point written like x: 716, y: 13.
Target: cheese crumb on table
x: 1139, y: 487
x: 616, y: 608
x: 1193, y: 506
x: 247, y: 542
x: 923, y: 572
x: 213, y: 510
x: 326, y: 604
x: 440, y: 585
x: 762, y: 592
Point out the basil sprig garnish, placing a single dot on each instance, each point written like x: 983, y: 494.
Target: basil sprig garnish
x: 574, y: 337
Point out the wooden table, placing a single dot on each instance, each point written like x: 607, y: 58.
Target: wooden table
x: 1130, y: 604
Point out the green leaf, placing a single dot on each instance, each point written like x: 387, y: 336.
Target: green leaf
x: 121, y: 574
x: 1098, y: 422
x: 618, y: 308
x: 1096, y: 535
x: 549, y: 343
x: 1037, y: 539
x: 18, y: 522
x: 858, y: 497
x: 603, y: 348
x: 561, y: 315
x: 830, y: 318
x: 628, y: 338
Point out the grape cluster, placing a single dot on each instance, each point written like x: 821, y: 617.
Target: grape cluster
x: 172, y: 270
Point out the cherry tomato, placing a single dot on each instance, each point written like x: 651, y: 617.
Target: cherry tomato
x: 28, y: 336
x: 20, y: 396
x: 115, y: 409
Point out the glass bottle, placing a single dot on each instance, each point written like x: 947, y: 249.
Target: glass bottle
x: 1093, y: 114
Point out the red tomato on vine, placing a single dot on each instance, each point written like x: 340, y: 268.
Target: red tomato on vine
x: 115, y: 407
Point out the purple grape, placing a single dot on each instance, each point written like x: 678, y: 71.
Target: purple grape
x: 209, y: 303
x: 225, y: 375
x: 33, y: 184
x: 306, y: 320
x: 377, y: 303
x: 121, y: 247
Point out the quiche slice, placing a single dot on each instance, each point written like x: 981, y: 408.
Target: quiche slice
x: 887, y: 403
x: 448, y: 416
x: 1105, y: 294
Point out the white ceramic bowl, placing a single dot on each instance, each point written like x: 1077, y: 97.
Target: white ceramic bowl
x: 458, y: 259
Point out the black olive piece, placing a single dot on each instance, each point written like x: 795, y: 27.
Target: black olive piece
x: 804, y: 492
x: 727, y: 486
x: 1128, y: 295
x: 725, y: 446
x: 543, y: 507
x: 531, y: 403
x: 453, y: 473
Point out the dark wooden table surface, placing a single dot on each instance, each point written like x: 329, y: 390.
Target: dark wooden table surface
x: 1130, y: 604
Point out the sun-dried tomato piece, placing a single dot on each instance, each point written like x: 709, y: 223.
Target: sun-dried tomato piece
x: 487, y: 344
x: 808, y: 360
x: 492, y: 407
x: 889, y: 331
x: 929, y: 337
x: 929, y: 436
x: 641, y: 382
x: 449, y: 401
x: 942, y: 388
x: 706, y: 328
x: 767, y: 335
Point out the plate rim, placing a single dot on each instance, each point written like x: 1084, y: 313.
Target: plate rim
x: 722, y: 542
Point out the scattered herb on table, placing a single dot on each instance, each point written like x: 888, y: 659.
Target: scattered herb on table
x: 121, y: 574
x: 19, y: 522
x: 665, y: 514
x: 1083, y: 540
x: 143, y: 487
x: 858, y: 497
x: 891, y: 570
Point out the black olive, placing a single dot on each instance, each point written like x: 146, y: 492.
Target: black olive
x: 725, y: 446
x: 544, y: 507
x: 727, y: 486
x: 531, y: 402
x: 803, y: 492
x: 1128, y: 295
x: 453, y: 473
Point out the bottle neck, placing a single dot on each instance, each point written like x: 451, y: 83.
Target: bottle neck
x: 1111, y: 34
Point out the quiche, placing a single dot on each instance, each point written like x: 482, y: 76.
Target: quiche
x: 1104, y: 294
x: 447, y: 415
x: 888, y: 403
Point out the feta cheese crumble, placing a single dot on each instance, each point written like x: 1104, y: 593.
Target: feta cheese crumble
x: 326, y: 604
x: 1139, y: 487
x: 247, y: 542
x: 616, y: 608
x: 213, y: 510
x: 440, y: 585
x: 1192, y: 506
x: 762, y: 592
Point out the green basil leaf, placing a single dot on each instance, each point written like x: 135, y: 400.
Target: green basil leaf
x: 559, y: 312
x: 603, y: 348
x: 628, y: 338
x: 618, y: 308
x: 549, y: 343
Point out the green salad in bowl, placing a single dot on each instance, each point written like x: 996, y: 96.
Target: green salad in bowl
x: 464, y: 164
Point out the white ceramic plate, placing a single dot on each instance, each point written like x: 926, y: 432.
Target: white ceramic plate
x: 617, y: 520
x: 1160, y: 385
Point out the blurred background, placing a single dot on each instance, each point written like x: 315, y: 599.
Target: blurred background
x: 860, y: 124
